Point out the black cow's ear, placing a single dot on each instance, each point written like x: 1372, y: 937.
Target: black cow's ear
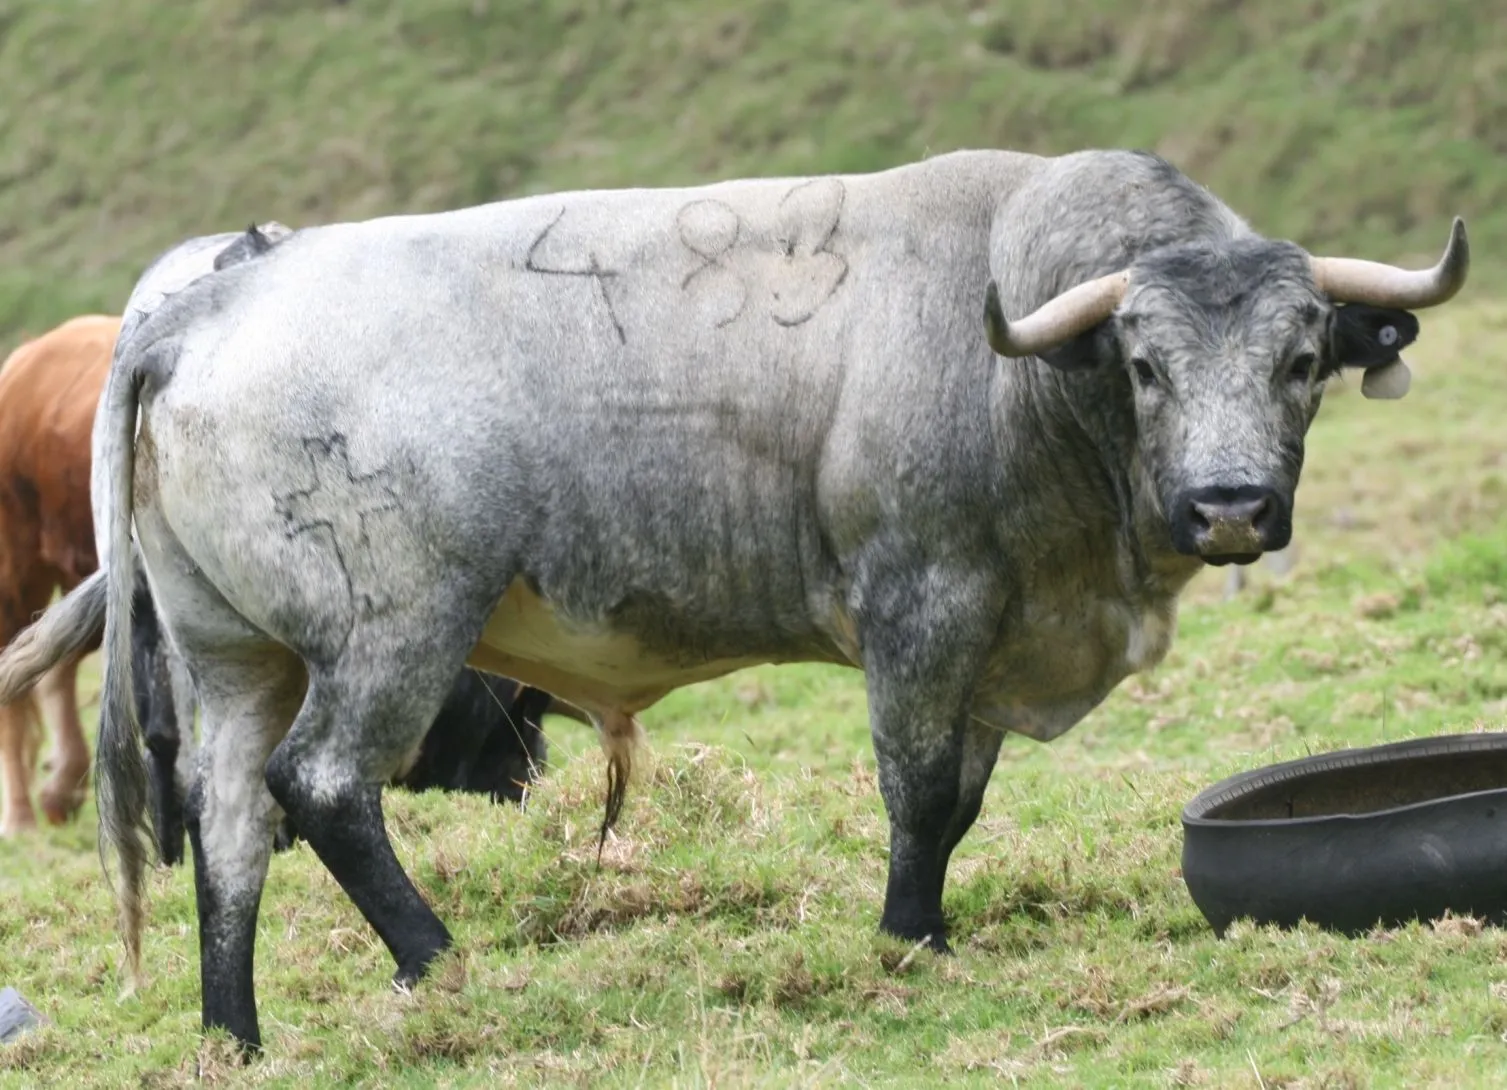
x: 1367, y: 336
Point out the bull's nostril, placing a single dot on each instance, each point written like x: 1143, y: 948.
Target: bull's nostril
x: 1230, y: 521
x: 1224, y: 517
x: 1243, y: 511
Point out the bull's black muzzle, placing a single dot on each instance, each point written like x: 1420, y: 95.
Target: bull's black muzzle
x: 1231, y: 525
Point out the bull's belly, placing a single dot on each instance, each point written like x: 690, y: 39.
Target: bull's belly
x: 593, y: 667
x: 1039, y: 720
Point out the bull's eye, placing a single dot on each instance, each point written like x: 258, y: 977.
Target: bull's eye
x: 1143, y: 371
x: 1301, y: 367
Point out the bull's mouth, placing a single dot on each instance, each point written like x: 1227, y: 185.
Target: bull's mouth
x: 1219, y: 560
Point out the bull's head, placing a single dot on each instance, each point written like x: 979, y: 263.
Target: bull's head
x: 1227, y: 347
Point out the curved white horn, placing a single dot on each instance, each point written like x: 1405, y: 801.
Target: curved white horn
x: 1351, y: 280
x: 1056, y: 321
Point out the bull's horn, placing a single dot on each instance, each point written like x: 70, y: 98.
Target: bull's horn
x: 1350, y: 280
x: 1055, y: 321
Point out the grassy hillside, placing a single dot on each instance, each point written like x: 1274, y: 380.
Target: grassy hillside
x: 1346, y: 124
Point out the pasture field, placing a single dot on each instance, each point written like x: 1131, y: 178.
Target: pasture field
x: 729, y: 937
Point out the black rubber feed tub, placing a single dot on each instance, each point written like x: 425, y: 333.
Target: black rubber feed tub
x: 1355, y: 838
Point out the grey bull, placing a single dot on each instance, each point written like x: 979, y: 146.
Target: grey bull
x: 969, y: 425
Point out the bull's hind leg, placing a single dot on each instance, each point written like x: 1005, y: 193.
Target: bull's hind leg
x: 247, y: 701
x: 366, y: 714
x: 923, y: 649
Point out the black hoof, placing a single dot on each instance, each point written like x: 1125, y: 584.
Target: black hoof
x: 411, y: 973
x: 246, y: 1050
x: 935, y: 938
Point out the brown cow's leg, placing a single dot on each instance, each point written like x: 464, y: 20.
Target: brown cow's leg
x: 31, y: 746
x: 63, y: 794
x: 15, y: 768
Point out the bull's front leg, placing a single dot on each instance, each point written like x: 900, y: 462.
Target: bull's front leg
x: 926, y: 638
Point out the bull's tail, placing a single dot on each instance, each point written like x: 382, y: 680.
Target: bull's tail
x: 64, y: 631
x: 121, y: 786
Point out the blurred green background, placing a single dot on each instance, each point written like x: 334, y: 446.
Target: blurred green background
x: 1358, y: 125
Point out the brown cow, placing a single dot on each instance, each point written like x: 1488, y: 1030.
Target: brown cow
x: 48, y: 391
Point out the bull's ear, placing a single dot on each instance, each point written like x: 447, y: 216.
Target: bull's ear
x: 1373, y: 338
x: 1096, y: 348
x: 1367, y: 336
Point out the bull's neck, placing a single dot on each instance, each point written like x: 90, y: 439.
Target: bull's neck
x: 1086, y: 482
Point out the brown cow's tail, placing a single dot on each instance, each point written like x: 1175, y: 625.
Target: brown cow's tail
x: 64, y: 631
x: 121, y: 782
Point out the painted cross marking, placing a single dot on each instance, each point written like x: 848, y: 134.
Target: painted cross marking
x: 342, y: 501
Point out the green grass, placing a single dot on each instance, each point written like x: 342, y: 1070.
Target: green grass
x: 730, y: 937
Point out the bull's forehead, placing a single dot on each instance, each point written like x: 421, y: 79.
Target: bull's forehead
x: 1253, y: 292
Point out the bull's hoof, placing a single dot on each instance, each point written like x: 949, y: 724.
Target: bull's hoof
x: 930, y: 938
x: 215, y: 1056
x: 407, y: 976
x: 411, y: 971
x: 939, y: 945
